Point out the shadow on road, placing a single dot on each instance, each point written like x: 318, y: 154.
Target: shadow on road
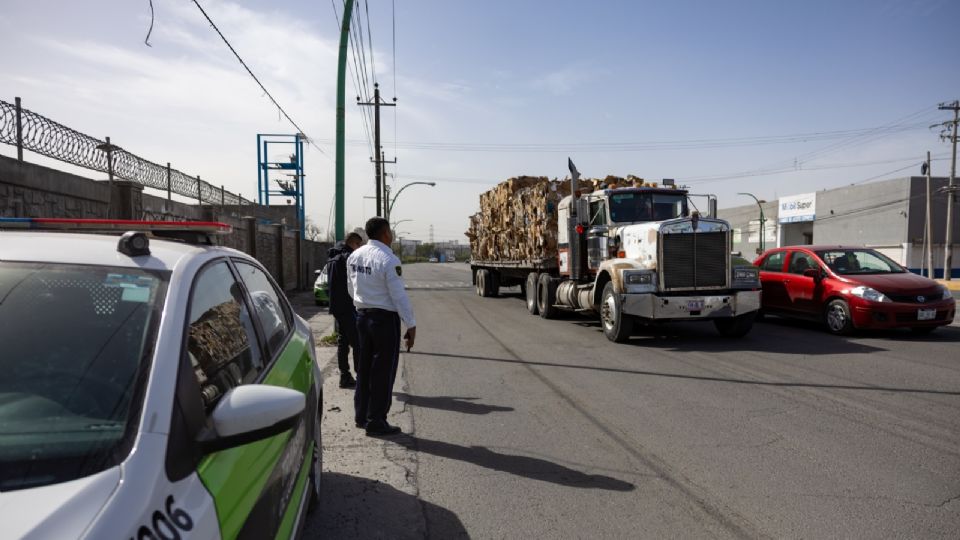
x: 695, y: 377
x: 527, y: 467
x: 355, y: 507
x: 463, y: 405
x: 700, y: 336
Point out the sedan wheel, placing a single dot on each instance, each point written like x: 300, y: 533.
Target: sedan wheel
x: 837, y: 317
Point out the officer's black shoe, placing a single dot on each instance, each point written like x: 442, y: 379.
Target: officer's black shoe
x: 361, y: 424
x: 347, y: 381
x: 381, y: 429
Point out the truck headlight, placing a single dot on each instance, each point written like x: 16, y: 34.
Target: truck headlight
x: 638, y: 278
x: 639, y: 281
x: 870, y: 294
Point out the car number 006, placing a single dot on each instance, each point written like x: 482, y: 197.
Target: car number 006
x: 926, y: 314
x: 166, y: 525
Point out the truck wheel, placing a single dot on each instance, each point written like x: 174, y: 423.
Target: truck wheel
x: 837, y: 317
x: 482, y: 275
x: 531, y: 293
x: 546, y: 297
x: 735, y: 327
x: 617, y: 325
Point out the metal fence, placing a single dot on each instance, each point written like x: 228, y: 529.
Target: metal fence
x: 28, y: 130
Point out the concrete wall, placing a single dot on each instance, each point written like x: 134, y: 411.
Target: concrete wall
x: 745, y: 223
x: 29, y: 190
x: 870, y: 214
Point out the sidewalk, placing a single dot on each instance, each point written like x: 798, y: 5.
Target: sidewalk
x: 368, y: 489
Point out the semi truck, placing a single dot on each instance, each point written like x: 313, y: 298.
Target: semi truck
x: 634, y: 255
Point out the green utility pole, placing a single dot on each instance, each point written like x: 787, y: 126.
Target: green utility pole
x: 342, y: 113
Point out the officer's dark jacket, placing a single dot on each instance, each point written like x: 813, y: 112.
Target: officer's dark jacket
x: 340, y: 301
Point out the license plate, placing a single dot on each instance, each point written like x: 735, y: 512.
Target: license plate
x: 695, y: 305
x: 926, y: 314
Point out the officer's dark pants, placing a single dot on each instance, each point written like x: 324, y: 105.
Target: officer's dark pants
x: 379, y: 332
x: 347, y: 339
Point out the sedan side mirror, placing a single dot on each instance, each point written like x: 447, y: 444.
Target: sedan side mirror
x: 813, y: 273
x: 253, y: 412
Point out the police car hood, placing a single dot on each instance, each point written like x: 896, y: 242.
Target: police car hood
x: 62, y: 510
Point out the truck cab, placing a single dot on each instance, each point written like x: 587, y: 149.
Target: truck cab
x: 645, y: 257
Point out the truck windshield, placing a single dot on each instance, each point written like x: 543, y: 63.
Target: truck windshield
x: 77, y: 342
x: 635, y: 206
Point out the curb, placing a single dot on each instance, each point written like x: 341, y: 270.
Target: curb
x: 953, y: 284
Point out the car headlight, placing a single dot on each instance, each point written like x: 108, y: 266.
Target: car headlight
x: 946, y: 294
x: 746, y: 274
x: 870, y: 294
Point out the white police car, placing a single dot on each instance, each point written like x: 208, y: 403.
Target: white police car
x: 150, y: 388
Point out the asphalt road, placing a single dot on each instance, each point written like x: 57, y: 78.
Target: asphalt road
x: 523, y: 427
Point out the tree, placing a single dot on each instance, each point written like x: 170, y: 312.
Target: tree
x: 312, y: 231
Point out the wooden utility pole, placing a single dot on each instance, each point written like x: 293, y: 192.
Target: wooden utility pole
x: 377, y: 158
x: 951, y: 188
x: 928, y: 226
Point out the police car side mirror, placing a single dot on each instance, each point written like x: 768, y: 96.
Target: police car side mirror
x: 253, y: 412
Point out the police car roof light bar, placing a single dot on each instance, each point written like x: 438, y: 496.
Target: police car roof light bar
x: 207, y: 227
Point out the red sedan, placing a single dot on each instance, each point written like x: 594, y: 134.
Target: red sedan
x: 849, y: 288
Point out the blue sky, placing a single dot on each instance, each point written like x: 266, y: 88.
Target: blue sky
x: 559, y: 74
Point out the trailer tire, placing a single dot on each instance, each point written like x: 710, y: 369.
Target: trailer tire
x: 531, y: 293
x: 735, y: 327
x: 617, y: 325
x: 482, y: 275
x: 493, y: 284
x: 546, y: 296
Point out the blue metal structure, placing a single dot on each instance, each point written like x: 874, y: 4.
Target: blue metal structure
x: 293, y: 168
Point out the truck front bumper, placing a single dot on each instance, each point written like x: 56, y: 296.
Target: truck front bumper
x: 650, y: 306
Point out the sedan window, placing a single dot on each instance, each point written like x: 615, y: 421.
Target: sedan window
x: 801, y: 262
x: 859, y: 261
x: 275, y: 319
x: 222, y: 344
x: 773, y: 262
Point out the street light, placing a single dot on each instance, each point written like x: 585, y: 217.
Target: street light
x: 762, y: 219
x: 399, y: 191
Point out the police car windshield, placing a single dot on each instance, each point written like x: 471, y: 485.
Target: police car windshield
x: 76, y: 343
x: 633, y: 206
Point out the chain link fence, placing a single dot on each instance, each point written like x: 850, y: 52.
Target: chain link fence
x: 28, y: 130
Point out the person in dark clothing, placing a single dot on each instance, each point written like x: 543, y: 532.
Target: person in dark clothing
x: 342, y: 308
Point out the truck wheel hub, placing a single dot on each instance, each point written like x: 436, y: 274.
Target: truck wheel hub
x: 608, y: 312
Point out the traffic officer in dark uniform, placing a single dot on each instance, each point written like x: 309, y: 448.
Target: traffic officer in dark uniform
x: 341, y: 306
x: 376, y: 285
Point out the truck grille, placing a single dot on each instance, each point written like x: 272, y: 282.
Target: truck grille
x: 694, y: 260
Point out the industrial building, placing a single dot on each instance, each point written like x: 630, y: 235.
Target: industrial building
x: 888, y: 216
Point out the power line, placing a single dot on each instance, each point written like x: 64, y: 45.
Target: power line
x: 373, y: 64
x: 249, y: 71
x: 638, y: 146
